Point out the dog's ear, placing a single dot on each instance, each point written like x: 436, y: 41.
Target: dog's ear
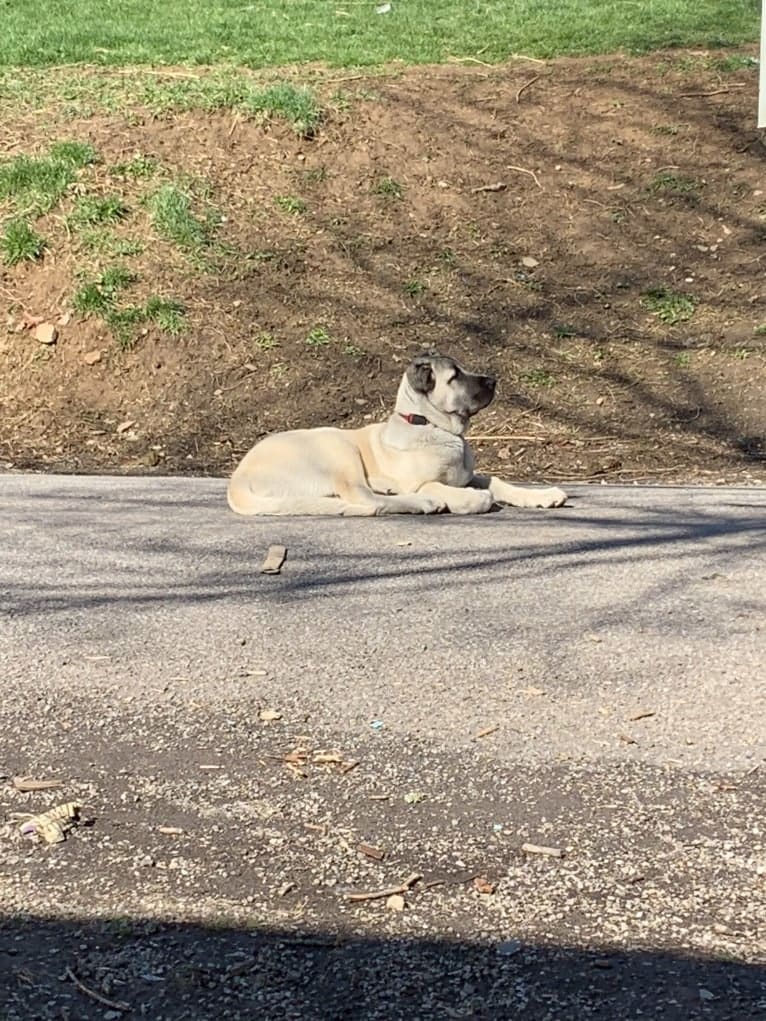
x: 420, y: 374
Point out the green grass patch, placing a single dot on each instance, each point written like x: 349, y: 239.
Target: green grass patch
x: 388, y: 188
x: 97, y: 297
x: 669, y: 306
x: 273, y: 33
x: 295, y: 104
x: 173, y: 218
x: 414, y: 288
x: 138, y: 167
x: 104, y: 242
x: 34, y: 184
x: 96, y: 210
x: 760, y: 331
x: 290, y: 204
x: 537, y: 377
x: 318, y: 337
x: 674, y: 184
x: 19, y: 242
x: 167, y: 314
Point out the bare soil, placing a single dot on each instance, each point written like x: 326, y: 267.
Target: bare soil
x: 534, y: 205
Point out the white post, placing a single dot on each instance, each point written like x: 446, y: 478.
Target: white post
x: 762, y: 86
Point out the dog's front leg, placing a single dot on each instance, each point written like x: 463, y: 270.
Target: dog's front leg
x: 518, y: 496
x: 459, y: 500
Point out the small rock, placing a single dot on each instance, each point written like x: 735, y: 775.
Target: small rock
x: 705, y: 994
x: 508, y: 948
x: 46, y: 333
x: 112, y: 1015
x: 64, y: 320
x: 395, y: 902
x: 92, y: 357
x: 529, y: 262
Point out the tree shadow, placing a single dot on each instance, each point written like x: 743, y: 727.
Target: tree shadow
x: 173, y: 971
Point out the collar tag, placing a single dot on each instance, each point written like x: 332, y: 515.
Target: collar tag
x: 414, y: 419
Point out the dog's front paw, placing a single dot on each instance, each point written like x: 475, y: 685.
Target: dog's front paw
x: 471, y: 501
x: 550, y: 498
x: 430, y: 505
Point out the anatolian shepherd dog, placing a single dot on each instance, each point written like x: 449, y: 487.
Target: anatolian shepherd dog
x: 418, y: 462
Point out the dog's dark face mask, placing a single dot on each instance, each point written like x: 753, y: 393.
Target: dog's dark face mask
x: 448, y: 387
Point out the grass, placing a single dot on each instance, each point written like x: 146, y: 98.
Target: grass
x: 272, y: 33
x: 290, y: 204
x: 95, y: 210
x: 19, y: 242
x: 265, y: 341
x: 537, y: 377
x: 674, y: 184
x: 318, y: 337
x: 229, y: 91
x: 387, y: 187
x: 414, y: 288
x: 669, y: 306
x: 171, y: 212
x: 138, y: 167
x: 34, y: 184
x: 98, y: 296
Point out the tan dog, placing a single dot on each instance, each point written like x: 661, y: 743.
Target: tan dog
x: 417, y: 462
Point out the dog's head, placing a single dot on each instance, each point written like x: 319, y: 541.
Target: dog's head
x: 444, y: 384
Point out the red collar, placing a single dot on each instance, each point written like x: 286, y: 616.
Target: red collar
x: 414, y: 419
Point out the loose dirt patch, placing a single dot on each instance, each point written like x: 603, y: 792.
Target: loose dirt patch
x: 593, y: 231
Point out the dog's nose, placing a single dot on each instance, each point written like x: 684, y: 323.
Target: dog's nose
x: 489, y: 382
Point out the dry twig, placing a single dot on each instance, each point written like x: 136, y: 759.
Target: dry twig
x: 390, y: 891
x: 120, y: 1005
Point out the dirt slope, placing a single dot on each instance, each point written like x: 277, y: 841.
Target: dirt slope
x: 592, y: 231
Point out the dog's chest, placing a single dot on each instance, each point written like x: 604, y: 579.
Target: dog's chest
x: 451, y: 464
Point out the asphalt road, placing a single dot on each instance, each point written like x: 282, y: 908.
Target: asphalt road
x: 443, y: 690
x: 556, y: 626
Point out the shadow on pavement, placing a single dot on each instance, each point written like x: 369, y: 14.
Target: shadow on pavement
x: 172, y: 971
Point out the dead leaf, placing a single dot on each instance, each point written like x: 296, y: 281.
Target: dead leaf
x: 548, y: 852
x: 64, y: 319
x: 413, y: 797
x: 532, y: 690
x: 25, y: 784
x: 92, y: 357
x: 483, y: 885
x: 29, y: 322
x: 285, y: 889
x: 274, y: 559
x: 269, y: 715
x: 46, y: 333
x: 52, y: 826
x: 170, y: 831
x: 627, y: 739
x: 376, y: 853
x: 124, y: 426
x: 395, y: 902
x: 328, y: 758
x: 594, y: 638
x: 529, y: 262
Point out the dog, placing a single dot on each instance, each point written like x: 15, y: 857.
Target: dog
x: 418, y: 462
